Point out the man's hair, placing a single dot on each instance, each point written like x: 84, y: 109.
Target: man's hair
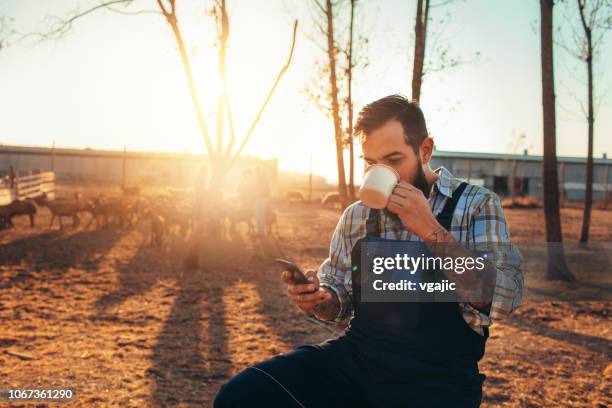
x: 375, y: 115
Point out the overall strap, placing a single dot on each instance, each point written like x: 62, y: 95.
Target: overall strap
x: 446, y: 215
x: 373, y: 224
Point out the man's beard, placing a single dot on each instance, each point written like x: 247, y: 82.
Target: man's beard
x: 420, y: 181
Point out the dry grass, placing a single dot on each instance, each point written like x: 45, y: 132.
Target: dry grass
x: 534, y: 202
x: 522, y: 202
x: 126, y: 326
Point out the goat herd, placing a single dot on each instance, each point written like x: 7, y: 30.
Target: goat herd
x: 164, y: 213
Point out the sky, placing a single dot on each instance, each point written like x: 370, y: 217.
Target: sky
x: 116, y: 80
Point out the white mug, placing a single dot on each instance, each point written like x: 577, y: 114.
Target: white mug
x: 378, y: 184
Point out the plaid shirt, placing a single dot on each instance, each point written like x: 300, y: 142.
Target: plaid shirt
x: 478, y: 221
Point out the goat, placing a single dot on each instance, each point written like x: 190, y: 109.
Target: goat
x: 332, y: 198
x: 137, y: 209
x: 158, y: 228
x: 174, y: 216
x: 271, y: 221
x: 239, y: 215
x: 86, y: 206
x: 61, y: 208
x: 294, y: 196
x: 116, y: 208
x: 15, y: 208
x: 130, y: 191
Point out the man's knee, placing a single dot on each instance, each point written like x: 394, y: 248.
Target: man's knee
x: 275, y: 382
x: 228, y: 395
x: 225, y: 398
x: 244, y: 387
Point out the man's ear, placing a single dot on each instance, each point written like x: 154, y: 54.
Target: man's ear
x: 426, y: 150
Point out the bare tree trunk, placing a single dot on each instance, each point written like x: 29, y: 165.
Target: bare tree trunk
x: 349, y: 103
x: 588, y: 195
x: 420, y: 36
x: 556, y: 265
x: 221, y: 163
x: 331, y: 53
x: 170, y: 16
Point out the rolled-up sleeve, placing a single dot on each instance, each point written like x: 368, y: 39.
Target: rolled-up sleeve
x: 335, y: 271
x: 491, y: 237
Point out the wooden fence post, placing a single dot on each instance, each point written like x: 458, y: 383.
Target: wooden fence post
x: 53, y: 157
x: 469, y: 175
x: 123, y: 167
x: 605, y: 199
x: 562, y: 196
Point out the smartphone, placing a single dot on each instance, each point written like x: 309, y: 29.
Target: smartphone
x: 297, y: 274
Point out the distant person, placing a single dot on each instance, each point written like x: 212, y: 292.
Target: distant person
x: 261, y: 195
x: 246, y: 190
x: 12, y: 177
x: 199, y: 192
x: 198, y: 212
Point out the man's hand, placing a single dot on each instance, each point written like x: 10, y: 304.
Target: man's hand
x: 311, y: 297
x: 306, y: 296
x: 413, y: 210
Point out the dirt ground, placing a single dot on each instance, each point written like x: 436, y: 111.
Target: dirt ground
x: 124, y: 325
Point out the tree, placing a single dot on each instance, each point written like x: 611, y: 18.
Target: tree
x: 439, y: 50
x: 420, y: 36
x: 326, y: 89
x: 588, y: 195
x: 349, y: 56
x: 556, y: 264
x: 222, y: 155
x: 349, y: 103
x: 332, y: 53
x: 594, y: 20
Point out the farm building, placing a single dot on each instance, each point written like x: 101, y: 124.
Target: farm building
x: 119, y: 167
x: 492, y: 170
x: 498, y: 172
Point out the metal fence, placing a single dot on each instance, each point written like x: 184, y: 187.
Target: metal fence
x: 27, y: 187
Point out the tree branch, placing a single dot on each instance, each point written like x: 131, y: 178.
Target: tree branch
x: 263, y: 106
x: 172, y: 20
x: 441, y: 4
x: 134, y: 13
x: 63, y: 26
x: 163, y: 8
